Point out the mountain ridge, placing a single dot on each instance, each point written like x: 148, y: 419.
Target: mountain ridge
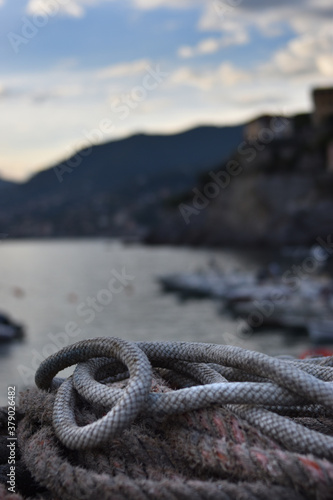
x: 114, y: 176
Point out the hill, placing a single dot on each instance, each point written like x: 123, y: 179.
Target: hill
x: 6, y: 184
x: 275, y: 190
x: 113, y: 188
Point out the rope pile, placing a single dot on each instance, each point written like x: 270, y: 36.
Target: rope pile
x: 160, y: 420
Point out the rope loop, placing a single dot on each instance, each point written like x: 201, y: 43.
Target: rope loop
x: 119, y: 417
x: 260, y: 390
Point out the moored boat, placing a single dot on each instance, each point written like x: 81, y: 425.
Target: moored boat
x: 9, y: 330
x: 201, y: 284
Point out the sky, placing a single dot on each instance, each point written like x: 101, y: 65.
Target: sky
x: 81, y: 72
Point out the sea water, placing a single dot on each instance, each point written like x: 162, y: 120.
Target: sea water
x: 64, y: 291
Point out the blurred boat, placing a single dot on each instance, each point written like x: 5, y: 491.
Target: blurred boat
x: 204, y: 284
x: 9, y: 330
x: 294, y: 311
x: 277, y: 290
x: 316, y: 252
x: 257, y: 292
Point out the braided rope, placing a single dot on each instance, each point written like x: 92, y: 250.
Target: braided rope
x: 279, y: 383
x: 206, y: 454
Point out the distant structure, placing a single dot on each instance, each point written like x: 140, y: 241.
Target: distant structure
x: 323, y: 117
x: 323, y: 105
x: 280, y: 126
x: 329, y: 156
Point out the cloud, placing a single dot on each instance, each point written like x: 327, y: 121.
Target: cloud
x: 271, y: 19
x: 78, y: 97
x: 173, y: 4
x: 187, y: 76
x: 325, y: 64
x: 66, y: 82
x: 224, y: 75
x: 77, y: 8
x: 73, y: 8
x: 50, y: 85
x: 206, y: 46
x: 215, y: 13
x: 306, y: 55
x: 211, y: 45
x: 67, y: 91
x: 124, y: 69
x: 255, y: 98
x: 154, y: 105
x: 229, y: 75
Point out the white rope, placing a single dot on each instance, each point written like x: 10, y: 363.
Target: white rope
x: 278, y: 383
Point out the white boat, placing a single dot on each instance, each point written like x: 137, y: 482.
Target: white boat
x: 294, y: 311
x: 276, y: 289
x: 201, y: 284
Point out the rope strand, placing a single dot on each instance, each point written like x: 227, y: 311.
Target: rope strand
x: 169, y: 421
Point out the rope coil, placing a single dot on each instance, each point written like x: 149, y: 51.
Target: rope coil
x: 274, y: 384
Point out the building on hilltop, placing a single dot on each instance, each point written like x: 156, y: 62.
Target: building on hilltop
x: 323, y: 105
x: 278, y: 127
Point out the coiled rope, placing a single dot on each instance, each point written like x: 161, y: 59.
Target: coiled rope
x: 280, y: 384
x: 169, y: 421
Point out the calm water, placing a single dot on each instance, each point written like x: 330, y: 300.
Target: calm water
x: 42, y: 285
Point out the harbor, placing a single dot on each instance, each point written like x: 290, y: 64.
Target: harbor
x: 142, y: 311
x: 166, y: 250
